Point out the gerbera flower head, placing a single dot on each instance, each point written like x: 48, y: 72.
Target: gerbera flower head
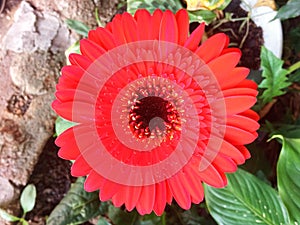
x: 158, y: 113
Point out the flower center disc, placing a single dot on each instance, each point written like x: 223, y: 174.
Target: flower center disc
x: 153, y: 117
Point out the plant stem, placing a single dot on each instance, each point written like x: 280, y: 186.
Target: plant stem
x: 163, y: 219
x: 294, y: 67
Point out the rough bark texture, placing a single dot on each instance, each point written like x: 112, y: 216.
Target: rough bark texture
x: 33, y: 39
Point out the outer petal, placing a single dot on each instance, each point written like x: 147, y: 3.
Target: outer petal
x: 90, y: 49
x: 223, y: 65
x: 195, y: 38
x: 212, y: 47
x: 143, y: 18
x: 145, y: 203
x: 155, y: 24
x: 130, y: 27
x: 242, y: 122
x: 102, y: 37
x: 179, y: 192
x: 93, y: 182
x: 160, y: 198
x: 236, y: 76
x: 80, y: 167
x: 69, y: 149
x: 182, y: 19
x: 168, y: 28
x: 239, y: 136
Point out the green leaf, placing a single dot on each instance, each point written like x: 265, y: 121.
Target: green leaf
x: 6, y: 216
x: 206, y: 16
x: 120, y: 217
x: 290, y: 10
x: 245, y: 200
x: 78, y: 27
x: 103, y: 221
x: 24, y: 222
x: 61, y: 125
x: 28, y: 197
x: 74, y: 48
x: 151, y: 5
x: 288, y: 174
x: 77, y: 207
x: 275, y: 77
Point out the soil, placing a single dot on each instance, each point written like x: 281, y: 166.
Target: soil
x: 236, y: 31
x: 52, y: 179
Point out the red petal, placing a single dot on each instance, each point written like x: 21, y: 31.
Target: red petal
x: 227, y: 50
x: 143, y: 18
x: 195, y: 187
x: 67, y: 95
x: 90, y: 49
x: 155, y: 24
x: 130, y: 27
x: 182, y: 19
x: 108, y: 190
x: 236, y: 76
x: 103, y: 37
x: 224, y: 163
x: 132, y: 195
x: 238, y: 104
x: 119, y: 198
x: 168, y: 28
x: 251, y: 114
x: 160, y: 198
x: 232, y: 151
x: 93, y: 182
x: 80, y: 60
x: 73, y: 72
x: 244, y: 151
x: 240, y: 91
x: 69, y: 149
x: 242, y: 122
x: 212, y: 47
x: 146, y: 201
x: 247, y: 84
x: 80, y: 167
x: 117, y: 30
x: 63, y: 109
x: 238, y: 136
x: 212, y: 176
x: 195, y: 38
x: 65, y: 82
x: 179, y: 192
x: 223, y: 65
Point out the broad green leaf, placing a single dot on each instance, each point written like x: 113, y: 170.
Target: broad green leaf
x: 120, y: 217
x: 6, y: 216
x: 275, y: 77
x: 151, y: 5
x: 206, y: 16
x: 290, y: 10
x: 28, y: 197
x: 288, y: 175
x: 77, y: 207
x: 245, y: 200
x: 78, y: 27
x: 103, y: 221
x: 61, y: 125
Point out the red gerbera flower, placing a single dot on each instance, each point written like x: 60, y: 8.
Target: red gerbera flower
x: 157, y: 114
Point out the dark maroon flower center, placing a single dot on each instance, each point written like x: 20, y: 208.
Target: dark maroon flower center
x: 153, y: 116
